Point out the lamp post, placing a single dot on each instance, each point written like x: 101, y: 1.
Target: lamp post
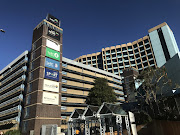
x: 2, y: 30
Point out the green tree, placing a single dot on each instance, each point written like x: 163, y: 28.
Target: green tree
x: 101, y: 92
x: 13, y: 132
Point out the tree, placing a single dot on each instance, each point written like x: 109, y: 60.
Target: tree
x: 152, y: 83
x: 101, y: 92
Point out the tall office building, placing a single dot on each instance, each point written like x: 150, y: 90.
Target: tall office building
x: 152, y: 50
x: 40, y: 88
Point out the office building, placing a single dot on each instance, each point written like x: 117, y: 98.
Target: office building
x: 40, y: 88
x: 152, y: 50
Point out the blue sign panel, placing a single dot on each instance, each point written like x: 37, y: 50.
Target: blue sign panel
x: 50, y: 63
x: 51, y: 74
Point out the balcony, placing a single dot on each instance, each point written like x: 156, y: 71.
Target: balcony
x: 22, y: 78
x: 21, y: 87
x: 121, y: 98
x: 23, y: 69
x: 11, y: 110
x: 11, y: 120
x: 25, y: 60
x: 11, y: 101
x: 118, y: 86
x: 119, y: 92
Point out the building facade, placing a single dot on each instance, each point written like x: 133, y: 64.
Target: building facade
x: 77, y: 81
x: 40, y: 88
x: 152, y: 50
x: 13, y: 81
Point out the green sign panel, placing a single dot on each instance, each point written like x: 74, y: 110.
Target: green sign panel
x: 52, y: 54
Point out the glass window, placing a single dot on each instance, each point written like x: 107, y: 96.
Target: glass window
x: 28, y: 99
x: 64, y: 65
x: 64, y: 73
x: 64, y: 89
x: 24, y: 127
x: 63, y: 107
x: 29, y: 89
x: 64, y: 81
x: 32, y: 55
x: 26, y: 112
x: 63, y: 98
x: 30, y: 76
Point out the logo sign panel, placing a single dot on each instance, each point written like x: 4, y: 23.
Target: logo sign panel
x: 54, y: 34
x: 51, y: 85
x: 50, y: 98
x: 50, y: 63
x: 53, y: 20
x: 52, y: 54
x: 51, y: 74
x: 52, y: 45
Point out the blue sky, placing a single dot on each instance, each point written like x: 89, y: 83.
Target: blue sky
x: 89, y: 25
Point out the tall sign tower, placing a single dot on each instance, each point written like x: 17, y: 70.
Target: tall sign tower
x: 43, y: 96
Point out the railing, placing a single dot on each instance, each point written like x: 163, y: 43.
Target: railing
x: 17, y: 98
x: 119, y: 92
x: 21, y: 87
x: 23, y: 77
x: 120, y: 98
x: 16, y: 119
x: 118, y: 86
x: 16, y: 73
x: 11, y: 110
x: 17, y: 65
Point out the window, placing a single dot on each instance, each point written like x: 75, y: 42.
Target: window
x: 29, y: 89
x: 63, y: 107
x: 64, y: 81
x: 32, y: 55
x: 64, y: 73
x: 34, y: 46
x: 112, y: 51
x: 24, y: 127
x: 30, y: 76
x: 32, y: 65
x: 64, y: 89
x: 26, y: 112
x: 146, y: 41
x: 64, y: 65
x: 94, y: 57
x: 135, y: 45
x: 129, y: 47
x: 63, y: 98
x: 140, y: 43
x: 88, y: 58
x: 28, y: 99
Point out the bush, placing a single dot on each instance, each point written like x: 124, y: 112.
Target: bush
x: 13, y: 132
x: 142, y: 118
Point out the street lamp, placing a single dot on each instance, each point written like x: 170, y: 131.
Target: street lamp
x: 2, y: 30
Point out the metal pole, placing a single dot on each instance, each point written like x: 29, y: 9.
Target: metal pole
x: 133, y: 125
x: 119, y: 123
